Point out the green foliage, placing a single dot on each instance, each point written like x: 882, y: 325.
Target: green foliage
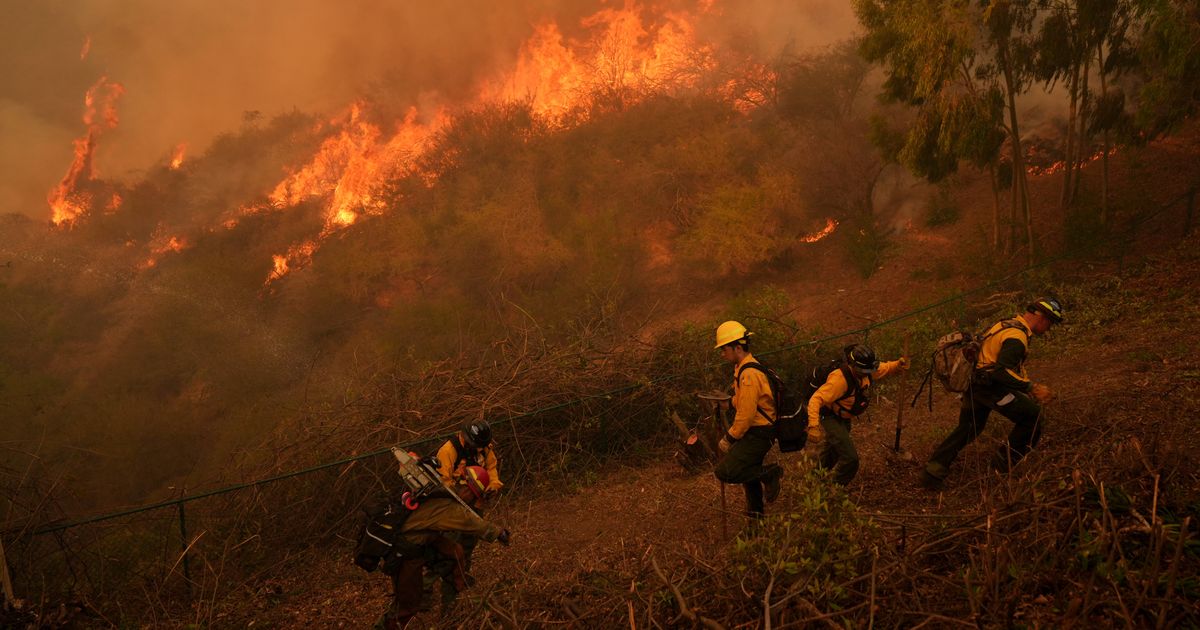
x: 734, y: 232
x: 1171, y: 68
x: 815, y: 546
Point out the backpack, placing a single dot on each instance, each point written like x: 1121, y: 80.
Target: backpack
x: 463, y: 454
x: 953, y: 361
x: 819, y: 374
x: 378, y: 539
x: 790, y: 422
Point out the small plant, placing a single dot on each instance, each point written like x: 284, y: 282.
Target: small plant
x: 818, y: 545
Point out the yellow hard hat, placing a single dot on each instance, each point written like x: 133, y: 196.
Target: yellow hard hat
x: 730, y: 332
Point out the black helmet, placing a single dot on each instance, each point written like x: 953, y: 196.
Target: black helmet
x: 862, y: 358
x: 478, y: 434
x: 1050, y: 307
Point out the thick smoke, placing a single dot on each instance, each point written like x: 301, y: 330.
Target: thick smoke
x: 191, y: 68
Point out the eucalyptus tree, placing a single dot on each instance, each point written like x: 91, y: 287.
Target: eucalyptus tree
x: 947, y: 60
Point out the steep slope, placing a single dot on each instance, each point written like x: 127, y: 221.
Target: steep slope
x: 1126, y: 372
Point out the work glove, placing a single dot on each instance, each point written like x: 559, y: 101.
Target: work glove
x: 504, y: 537
x: 816, y: 434
x: 724, y: 445
x: 903, y: 361
x: 1041, y: 393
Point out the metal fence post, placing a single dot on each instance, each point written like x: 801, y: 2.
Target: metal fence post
x: 183, y: 544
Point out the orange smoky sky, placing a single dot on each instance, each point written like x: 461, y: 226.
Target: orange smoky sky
x: 191, y: 68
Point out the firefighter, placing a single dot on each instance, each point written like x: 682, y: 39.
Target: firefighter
x: 746, y: 443
x: 425, y: 538
x: 835, y: 404
x: 1001, y: 385
x: 472, y: 446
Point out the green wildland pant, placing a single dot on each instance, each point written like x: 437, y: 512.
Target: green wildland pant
x: 839, y: 452
x: 1021, y: 408
x: 744, y: 464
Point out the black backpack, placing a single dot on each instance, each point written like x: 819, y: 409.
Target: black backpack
x: 377, y: 540
x: 819, y: 374
x: 791, y: 425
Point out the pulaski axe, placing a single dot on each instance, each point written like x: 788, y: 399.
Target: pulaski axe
x: 895, y: 448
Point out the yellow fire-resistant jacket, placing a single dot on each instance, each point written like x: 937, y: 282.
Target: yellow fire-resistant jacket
x: 442, y: 515
x: 750, y: 393
x: 1004, y: 351
x: 453, y: 465
x: 832, y: 395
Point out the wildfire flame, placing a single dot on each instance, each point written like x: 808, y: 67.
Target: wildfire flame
x: 623, y: 55
x: 296, y: 256
x: 177, y: 156
x: 67, y: 200
x: 160, y: 246
x: 87, y: 47
x: 1061, y: 165
x: 830, y: 226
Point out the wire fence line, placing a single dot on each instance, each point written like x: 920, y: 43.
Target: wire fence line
x: 536, y: 412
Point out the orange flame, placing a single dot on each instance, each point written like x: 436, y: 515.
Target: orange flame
x: 1059, y: 166
x: 87, y: 47
x: 67, y: 201
x: 177, y: 156
x: 350, y: 166
x: 623, y: 56
x: 160, y: 246
x: 297, y: 256
x: 830, y: 226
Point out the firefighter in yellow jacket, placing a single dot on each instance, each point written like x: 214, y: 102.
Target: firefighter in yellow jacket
x: 752, y: 434
x: 426, y: 536
x: 1000, y: 384
x: 472, y: 446
x: 842, y: 397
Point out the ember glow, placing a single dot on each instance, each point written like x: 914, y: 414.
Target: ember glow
x: 177, y: 156
x: 830, y: 226
x: 1060, y: 165
x: 68, y: 200
x: 160, y: 246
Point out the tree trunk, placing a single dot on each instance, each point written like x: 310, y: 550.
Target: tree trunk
x: 1020, y: 187
x: 995, y: 207
x: 1069, y: 145
x: 1082, y: 141
x: 1104, y: 146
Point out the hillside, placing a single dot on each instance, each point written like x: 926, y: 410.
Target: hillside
x: 1124, y: 418
x: 208, y: 343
